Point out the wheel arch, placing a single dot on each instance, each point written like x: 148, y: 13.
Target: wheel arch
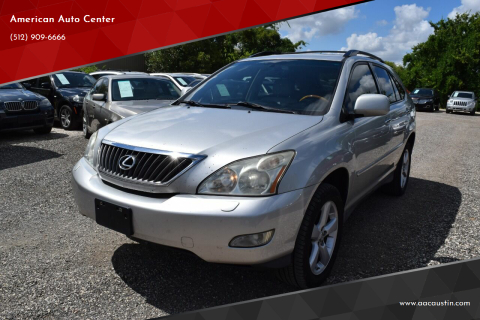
x: 340, y: 179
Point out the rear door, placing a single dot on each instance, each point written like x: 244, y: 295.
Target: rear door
x: 398, y: 116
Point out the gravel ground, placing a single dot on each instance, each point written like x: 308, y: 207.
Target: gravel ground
x: 55, y: 263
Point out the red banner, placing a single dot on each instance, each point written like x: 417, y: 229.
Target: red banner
x: 43, y: 36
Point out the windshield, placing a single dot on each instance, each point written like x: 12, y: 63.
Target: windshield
x: 73, y: 80
x: 12, y: 86
x: 184, y: 80
x: 194, y: 83
x: 300, y: 86
x: 467, y: 95
x: 423, y: 92
x: 143, y: 89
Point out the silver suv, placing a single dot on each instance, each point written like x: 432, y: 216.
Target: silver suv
x: 462, y: 101
x: 259, y: 165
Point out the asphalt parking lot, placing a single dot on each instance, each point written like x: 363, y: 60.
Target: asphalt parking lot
x: 55, y: 263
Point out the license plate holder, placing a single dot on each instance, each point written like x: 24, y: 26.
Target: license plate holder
x: 114, y: 217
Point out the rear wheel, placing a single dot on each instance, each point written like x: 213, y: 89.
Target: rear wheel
x: 317, y: 241
x: 401, y: 175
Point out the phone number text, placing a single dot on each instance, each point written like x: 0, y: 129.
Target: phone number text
x: 36, y: 36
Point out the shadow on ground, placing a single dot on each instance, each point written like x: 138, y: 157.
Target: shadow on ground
x: 11, y: 137
x: 14, y: 156
x: 383, y: 235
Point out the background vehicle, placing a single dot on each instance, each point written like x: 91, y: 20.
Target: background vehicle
x: 260, y: 164
x: 425, y: 99
x: 462, y: 101
x: 101, y: 73
x: 115, y: 97
x: 65, y: 91
x: 23, y: 109
x: 181, y: 80
x: 189, y: 86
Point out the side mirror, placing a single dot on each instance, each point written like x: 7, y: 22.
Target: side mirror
x: 27, y: 85
x: 45, y: 85
x: 98, y: 97
x: 372, y: 105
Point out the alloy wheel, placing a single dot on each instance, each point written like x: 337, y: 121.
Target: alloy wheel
x: 84, y: 125
x: 405, y: 168
x: 324, y: 237
x: 65, y: 117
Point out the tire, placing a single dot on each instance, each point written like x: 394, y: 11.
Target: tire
x: 86, y: 131
x: 300, y: 273
x: 67, y: 120
x: 472, y: 113
x: 401, y: 175
x: 43, y: 130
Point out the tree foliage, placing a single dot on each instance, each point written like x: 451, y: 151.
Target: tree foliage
x: 449, y: 60
x: 209, y: 55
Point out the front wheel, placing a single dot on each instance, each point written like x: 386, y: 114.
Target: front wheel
x: 86, y: 131
x: 317, y: 241
x: 67, y: 120
x: 472, y: 113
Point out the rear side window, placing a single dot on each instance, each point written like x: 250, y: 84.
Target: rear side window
x: 399, y: 88
x: 384, y: 83
x: 361, y: 82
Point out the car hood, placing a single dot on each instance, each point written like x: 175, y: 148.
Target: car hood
x: 131, y: 108
x: 18, y: 95
x: 417, y: 96
x: 70, y: 92
x: 210, y: 131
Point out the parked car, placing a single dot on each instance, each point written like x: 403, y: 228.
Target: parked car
x: 426, y: 99
x: 260, y: 165
x: 462, y: 101
x: 181, y: 80
x: 101, y: 73
x: 65, y: 91
x: 116, y: 97
x: 21, y: 109
x: 189, y: 86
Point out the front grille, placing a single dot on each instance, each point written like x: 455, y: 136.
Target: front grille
x: 460, y: 103
x: 16, y: 106
x: 151, y: 167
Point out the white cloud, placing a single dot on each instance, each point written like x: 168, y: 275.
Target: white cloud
x: 409, y: 29
x: 320, y: 24
x: 467, y: 6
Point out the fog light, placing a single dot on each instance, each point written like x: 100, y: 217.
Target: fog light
x: 252, y: 240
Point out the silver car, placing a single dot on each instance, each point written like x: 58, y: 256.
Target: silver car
x: 115, y: 97
x: 259, y: 165
x: 462, y: 101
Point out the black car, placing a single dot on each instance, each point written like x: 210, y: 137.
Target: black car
x: 426, y: 99
x: 66, y: 91
x: 23, y: 109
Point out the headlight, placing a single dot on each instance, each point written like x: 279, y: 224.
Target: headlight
x: 44, y: 103
x: 77, y: 98
x: 89, y: 155
x: 257, y: 176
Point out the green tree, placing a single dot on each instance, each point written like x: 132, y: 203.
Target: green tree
x: 449, y: 60
x: 209, y: 55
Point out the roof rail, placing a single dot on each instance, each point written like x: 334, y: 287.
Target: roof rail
x: 352, y: 53
x: 346, y: 54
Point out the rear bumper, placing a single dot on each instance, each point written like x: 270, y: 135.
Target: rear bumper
x: 22, y: 121
x: 202, y: 224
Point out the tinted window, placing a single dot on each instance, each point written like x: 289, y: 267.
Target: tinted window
x: 143, y: 89
x: 31, y: 82
x: 361, y: 82
x: 463, y: 95
x: 302, y: 86
x: 184, y: 80
x: 12, y: 86
x: 399, y: 88
x: 423, y: 92
x: 397, y: 95
x: 44, y: 82
x: 73, y: 80
x: 384, y: 83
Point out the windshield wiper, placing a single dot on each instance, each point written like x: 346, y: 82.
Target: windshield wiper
x: 262, y: 108
x: 198, y: 104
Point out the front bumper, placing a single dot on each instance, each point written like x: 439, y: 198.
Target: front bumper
x: 424, y: 106
x: 200, y: 223
x: 29, y: 120
x: 456, y: 108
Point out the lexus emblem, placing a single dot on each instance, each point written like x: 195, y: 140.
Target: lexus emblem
x: 127, y: 162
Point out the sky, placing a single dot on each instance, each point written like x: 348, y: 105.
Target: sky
x: 387, y: 28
